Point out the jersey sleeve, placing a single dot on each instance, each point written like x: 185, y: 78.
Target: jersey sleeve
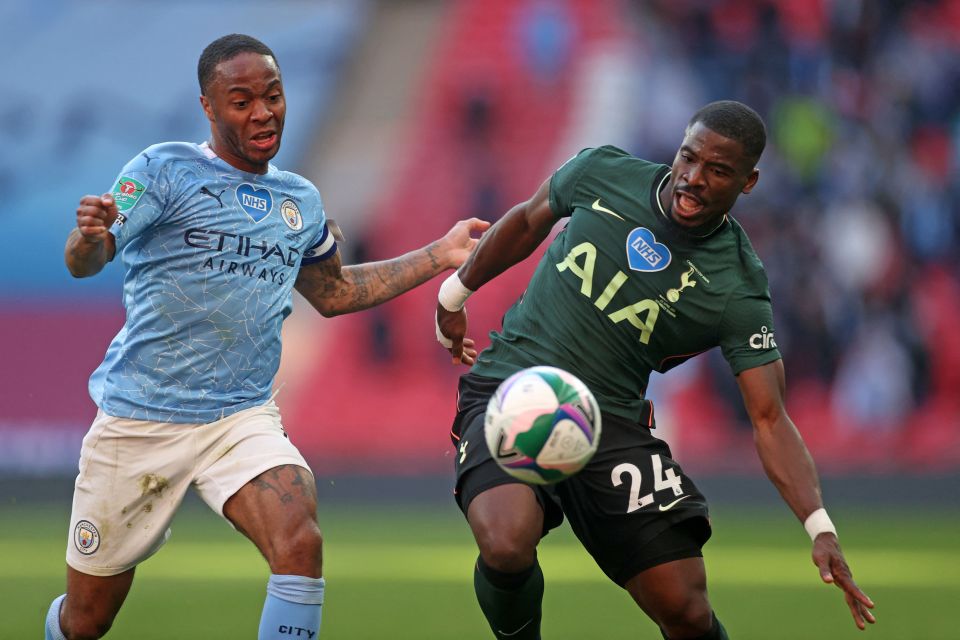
x: 141, y: 193
x: 323, y: 245
x: 564, y: 182
x: 746, y: 330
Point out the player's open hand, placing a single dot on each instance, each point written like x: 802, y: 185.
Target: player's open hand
x: 833, y: 569
x: 451, y: 332
x: 457, y: 244
x: 95, y: 215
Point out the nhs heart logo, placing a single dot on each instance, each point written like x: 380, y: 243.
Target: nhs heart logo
x: 644, y: 253
x: 256, y: 202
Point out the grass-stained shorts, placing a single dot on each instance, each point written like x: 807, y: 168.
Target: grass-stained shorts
x: 629, y: 493
x: 135, y: 473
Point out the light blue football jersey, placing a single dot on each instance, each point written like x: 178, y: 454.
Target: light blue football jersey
x: 211, y: 255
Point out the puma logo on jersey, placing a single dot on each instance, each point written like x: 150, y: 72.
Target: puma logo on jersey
x: 215, y: 196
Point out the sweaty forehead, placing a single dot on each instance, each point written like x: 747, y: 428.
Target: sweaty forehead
x: 246, y: 69
x: 711, y: 145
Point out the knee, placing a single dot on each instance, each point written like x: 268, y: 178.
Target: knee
x: 507, y: 523
x: 506, y: 551
x: 84, y: 628
x: 690, y: 617
x: 300, y: 551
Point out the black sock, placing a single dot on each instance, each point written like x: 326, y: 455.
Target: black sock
x: 511, y: 602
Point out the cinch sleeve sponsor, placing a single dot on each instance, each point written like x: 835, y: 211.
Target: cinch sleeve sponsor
x: 747, y: 338
x: 137, y: 192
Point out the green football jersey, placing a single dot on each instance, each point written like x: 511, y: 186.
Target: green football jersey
x: 623, y: 290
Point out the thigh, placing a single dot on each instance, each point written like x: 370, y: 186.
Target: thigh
x: 277, y: 512
x: 477, y: 473
x: 133, y: 476
x: 507, y: 523
x: 631, y: 491
x: 669, y: 590
x: 241, y: 447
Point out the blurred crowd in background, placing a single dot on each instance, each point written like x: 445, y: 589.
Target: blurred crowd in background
x: 856, y: 215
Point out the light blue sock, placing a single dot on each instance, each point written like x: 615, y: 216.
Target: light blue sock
x: 292, y: 608
x: 52, y: 629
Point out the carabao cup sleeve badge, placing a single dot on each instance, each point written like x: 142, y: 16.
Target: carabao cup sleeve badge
x: 86, y: 537
x: 127, y: 192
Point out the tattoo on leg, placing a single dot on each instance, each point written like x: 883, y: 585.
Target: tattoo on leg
x: 264, y: 485
x: 302, y: 480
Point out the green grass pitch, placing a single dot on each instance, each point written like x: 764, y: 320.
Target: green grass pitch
x: 405, y: 572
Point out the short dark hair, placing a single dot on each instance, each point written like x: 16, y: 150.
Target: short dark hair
x: 736, y: 121
x: 226, y: 48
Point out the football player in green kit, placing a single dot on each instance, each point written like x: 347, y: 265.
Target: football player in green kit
x: 649, y: 271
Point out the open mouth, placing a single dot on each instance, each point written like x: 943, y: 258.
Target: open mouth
x: 264, y: 140
x: 686, y: 205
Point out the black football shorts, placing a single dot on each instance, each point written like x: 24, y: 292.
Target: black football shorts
x: 629, y: 493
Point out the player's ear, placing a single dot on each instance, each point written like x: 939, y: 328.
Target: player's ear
x: 207, y: 108
x: 751, y: 181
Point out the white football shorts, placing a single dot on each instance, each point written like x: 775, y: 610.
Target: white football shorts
x: 135, y: 473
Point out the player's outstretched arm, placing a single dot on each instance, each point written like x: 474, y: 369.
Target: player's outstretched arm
x: 334, y: 289
x: 788, y: 464
x: 511, y: 239
x: 91, y: 245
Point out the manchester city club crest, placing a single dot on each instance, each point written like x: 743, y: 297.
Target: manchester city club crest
x: 86, y: 537
x: 291, y: 214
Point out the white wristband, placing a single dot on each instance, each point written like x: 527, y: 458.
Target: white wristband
x: 444, y: 341
x: 453, y: 295
x: 818, y: 522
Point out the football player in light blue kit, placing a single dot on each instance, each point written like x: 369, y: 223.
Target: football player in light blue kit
x: 213, y: 239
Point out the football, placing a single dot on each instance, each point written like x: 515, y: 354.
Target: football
x: 542, y: 425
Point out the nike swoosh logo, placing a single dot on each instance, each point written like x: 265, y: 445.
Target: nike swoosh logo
x: 598, y: 207
x: 667, y: 507
x: 513, y: 633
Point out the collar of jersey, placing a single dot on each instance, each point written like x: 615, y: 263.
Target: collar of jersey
x: 210, y: 154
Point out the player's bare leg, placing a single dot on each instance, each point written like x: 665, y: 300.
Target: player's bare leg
x: 91, y: 604
x: 507, y: 522
x: 277, y: 511
x: 674, y: 595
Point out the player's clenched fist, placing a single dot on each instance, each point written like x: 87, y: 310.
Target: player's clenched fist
x: 95, y: 215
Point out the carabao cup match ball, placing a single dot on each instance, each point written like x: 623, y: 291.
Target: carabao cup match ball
x: 542, y: 425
